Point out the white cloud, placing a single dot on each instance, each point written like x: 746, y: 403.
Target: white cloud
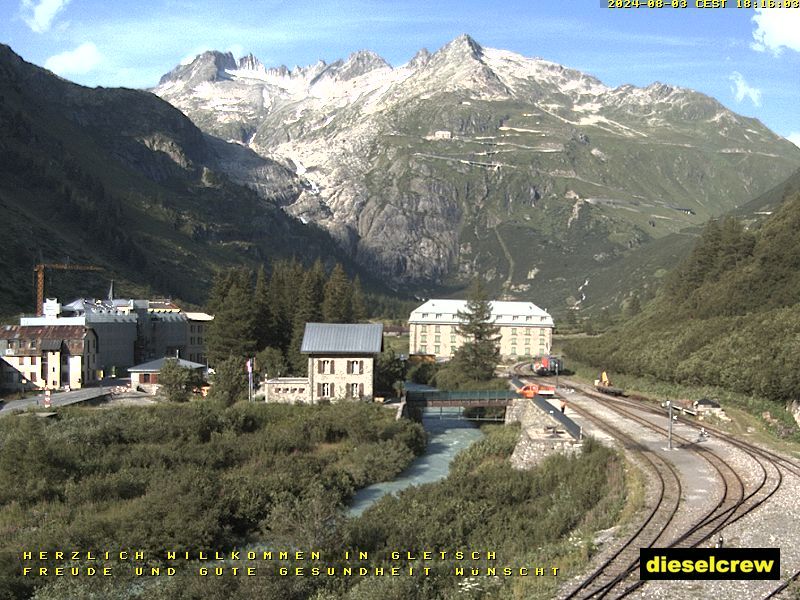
x: 776, y: 29
x: 40, y: 17
x: 75, y: 62
x: 794, y: 137
x: 742, y: 89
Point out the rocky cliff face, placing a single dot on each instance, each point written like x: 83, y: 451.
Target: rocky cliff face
x: 474, y: 160
x: 121, y: 179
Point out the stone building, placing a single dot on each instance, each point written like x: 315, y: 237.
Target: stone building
x: 341, y: 365
x: 524, y: 329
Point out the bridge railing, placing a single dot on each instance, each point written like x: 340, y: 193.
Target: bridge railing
x: 438, y: 395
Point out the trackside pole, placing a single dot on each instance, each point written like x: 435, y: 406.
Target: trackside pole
x: 669, y: 406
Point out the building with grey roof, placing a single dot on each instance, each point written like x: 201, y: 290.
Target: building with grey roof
x: 131, y: 331
x: 524, y: 329
x: 341, y: 365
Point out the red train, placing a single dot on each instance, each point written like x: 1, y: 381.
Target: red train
x: 547, y: 365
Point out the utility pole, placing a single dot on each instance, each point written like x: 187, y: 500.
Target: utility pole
x: 669, y: 406
x: 556, y: 374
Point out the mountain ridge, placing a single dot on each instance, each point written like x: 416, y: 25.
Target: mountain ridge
x: 121, y: 179
x: 527, y: 151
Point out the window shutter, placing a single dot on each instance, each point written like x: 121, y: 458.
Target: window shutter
x: 333, y: 369
x: 361, y: 367
x: 319, y: 367
x: 360, y: 389
x: 333, y: 395
x: 319, y: 390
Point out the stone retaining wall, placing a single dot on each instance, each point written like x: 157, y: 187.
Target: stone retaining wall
x: 540, y: 437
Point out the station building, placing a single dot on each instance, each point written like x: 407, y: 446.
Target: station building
x: 524, y: 329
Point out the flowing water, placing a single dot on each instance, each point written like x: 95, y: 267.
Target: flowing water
x: 446, y: 438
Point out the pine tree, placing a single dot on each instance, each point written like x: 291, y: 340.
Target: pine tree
x: 477, y: 358
x: 232, y: 333
x: 264, y: 320
x: 307, y: 310
x: 283, y: 300
x: 359, y: 303
x: 337, y: 306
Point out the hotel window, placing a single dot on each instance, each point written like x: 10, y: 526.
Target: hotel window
x: 325, y: 390
x: 439, y: 316
x: 528, y: 318
x: 543, y: 319
x: 423, y: 328
x: 353, y: 389
x: 452, y: 349
x: 513, y: 331
x: 423, y: 338
x: 437, y: 338
x: 513, y: 350
x: 527, y: 331
x: 436, y: 349
x: 424, y: 315
x: 437, y: 328
x: 515, y: 318
x: 423, y: 349
x: 452, y: 339
x: 325, y: 367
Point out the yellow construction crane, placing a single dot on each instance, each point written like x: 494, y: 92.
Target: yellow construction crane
x: 39, y: 270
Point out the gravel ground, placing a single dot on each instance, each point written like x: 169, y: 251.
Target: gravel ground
x: 767, y: 526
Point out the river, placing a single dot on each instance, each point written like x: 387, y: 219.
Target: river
x: 446, y: 438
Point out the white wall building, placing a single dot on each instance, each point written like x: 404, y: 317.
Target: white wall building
x: 341, y: 365
x: 524, y: 328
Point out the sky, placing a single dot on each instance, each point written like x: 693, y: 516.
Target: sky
x: 747, y: 58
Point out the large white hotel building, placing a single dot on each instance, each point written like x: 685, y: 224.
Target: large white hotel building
x: 524, y: 328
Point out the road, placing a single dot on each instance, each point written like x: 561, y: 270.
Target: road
x: 57, y: 399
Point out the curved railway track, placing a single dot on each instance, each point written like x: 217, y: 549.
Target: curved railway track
x: 617, y: 576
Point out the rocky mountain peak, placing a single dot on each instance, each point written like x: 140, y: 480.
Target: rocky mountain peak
x: 251, y: 63
x: 420, y: 59
x: 208, y: 66
x: 462, y: 47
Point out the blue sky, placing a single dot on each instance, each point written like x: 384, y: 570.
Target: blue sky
x: 748, y: 59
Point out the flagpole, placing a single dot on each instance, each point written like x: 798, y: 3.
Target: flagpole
x: 249, y: 379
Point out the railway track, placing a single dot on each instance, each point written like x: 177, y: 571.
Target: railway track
x: 617, y: 576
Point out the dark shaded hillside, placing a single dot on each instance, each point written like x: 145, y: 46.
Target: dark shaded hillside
x: 120, y: 179
x: 728, y: 314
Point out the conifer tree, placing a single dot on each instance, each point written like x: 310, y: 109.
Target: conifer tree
x: 308, y: 310
x: 477, y: 358
x: 337, y: 306
x: 232, y: 333
x: 359, y: 303
x: 264, y: 320
x: 283, y: 299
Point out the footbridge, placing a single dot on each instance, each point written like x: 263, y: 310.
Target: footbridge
x: 487, y: 399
